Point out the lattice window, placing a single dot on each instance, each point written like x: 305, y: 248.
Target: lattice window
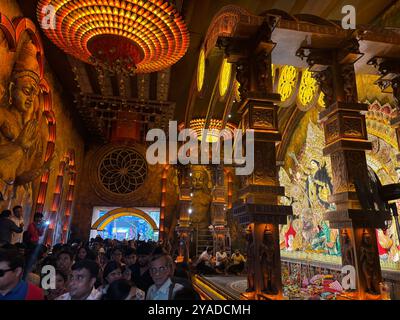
x: 122, y: 171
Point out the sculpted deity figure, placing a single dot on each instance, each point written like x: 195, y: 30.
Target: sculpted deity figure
x: 267, y: 260
x: 347, y: 251
x: 21, y: 125
x: 368, y: 263
x: 201, y: 199
x: 251, y: 269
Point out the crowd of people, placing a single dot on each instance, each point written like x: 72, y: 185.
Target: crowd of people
x: 101, y: 269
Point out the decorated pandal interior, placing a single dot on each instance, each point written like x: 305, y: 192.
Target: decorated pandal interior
x: 83, y: 82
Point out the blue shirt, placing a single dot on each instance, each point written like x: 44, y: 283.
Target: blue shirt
x: 18, y: 293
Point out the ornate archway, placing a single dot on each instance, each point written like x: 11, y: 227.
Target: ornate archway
x: 111, y: 215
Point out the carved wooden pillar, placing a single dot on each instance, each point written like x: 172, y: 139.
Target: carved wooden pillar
x: 183, y: 228
x: 346, y: 141
x: 218, y: 209
x: 258, y: 207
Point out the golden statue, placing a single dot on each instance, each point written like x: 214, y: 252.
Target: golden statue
x: 201, y: 200
x: 22, y: 126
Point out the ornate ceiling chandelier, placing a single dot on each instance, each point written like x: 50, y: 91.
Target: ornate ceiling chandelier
x: 121, y: 36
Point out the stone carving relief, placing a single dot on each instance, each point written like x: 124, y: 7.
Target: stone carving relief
x: 201, y: 188
x: 250, y: 261
x: 349, y: 83
x: 267, y: 260
x: 368, y: 259
x: 347, y: 249
x: 352, y: 127
x: 331, y: 130
x: 243, y: 77
x: 339, y: 172
x: 264, y: 164
x: 263, y: 118
x: 357, y: 168
x: 23, y: 127
x: 325, y: 82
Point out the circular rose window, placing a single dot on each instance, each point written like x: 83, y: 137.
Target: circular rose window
x: 122, y: 170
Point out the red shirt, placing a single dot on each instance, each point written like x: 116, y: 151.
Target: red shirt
x: 34, y: 293
x: 34, y: 233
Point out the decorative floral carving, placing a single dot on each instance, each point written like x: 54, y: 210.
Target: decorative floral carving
x: 339, y: 172
x: 349, y: 83
x: 122, y: 171
x: 331, y: 130
x: 287, y: 82
x: 325, y: 82
x: 352, y: 127
x: 263, y: 118
x: 243, y: 77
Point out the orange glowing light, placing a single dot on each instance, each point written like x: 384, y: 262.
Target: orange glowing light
x: 214, y: 128
x: 152, y: 33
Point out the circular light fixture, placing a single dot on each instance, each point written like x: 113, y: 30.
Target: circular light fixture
x: 225, y: 77
x: 201, y: 70
x: 129, y: 35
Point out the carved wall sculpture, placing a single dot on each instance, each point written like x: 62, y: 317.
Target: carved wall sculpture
x: 25, y: 129
x: 201, y: 188
x: 30, y: 105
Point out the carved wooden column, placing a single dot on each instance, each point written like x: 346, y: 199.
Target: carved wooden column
x: 218, y: 209
x: 258, y: 207
x: 346, y: 141
x: 183, y: 228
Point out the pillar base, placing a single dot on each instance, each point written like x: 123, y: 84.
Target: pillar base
x: 253, y: 295
x: 248, y: 295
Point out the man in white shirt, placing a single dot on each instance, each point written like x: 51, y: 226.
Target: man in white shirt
x: 19, y: 221
x: 203, y: 264
x: 81, y: 282
x: 221, y: 260
x: 161, y: 271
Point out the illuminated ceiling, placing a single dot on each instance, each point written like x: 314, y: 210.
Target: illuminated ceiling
x: 144, y: 35
x: 174, y: 85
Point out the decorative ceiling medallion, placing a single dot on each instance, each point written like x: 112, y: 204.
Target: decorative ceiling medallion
x: 287, y: 82
x: 225, y: 77
x: 308, y: 91
x: 119, y: 35
x: 201, y: 70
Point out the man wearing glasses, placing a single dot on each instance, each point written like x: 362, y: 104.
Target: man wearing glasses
x: 12, y: 287
x: 161, y: 271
